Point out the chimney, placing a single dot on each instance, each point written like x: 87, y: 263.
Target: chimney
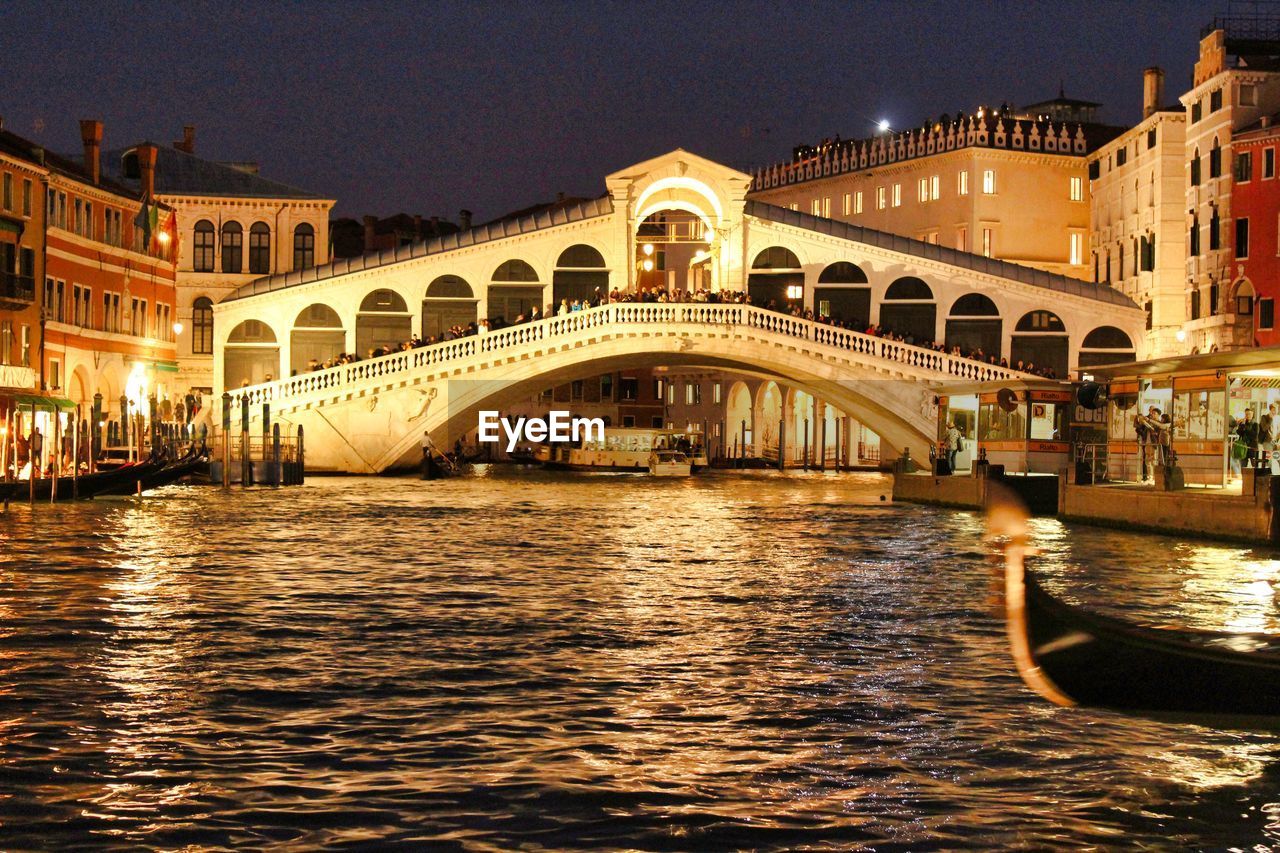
x: 147, y: 155
x: 464, y: 220
x: 1152, y: 90
x: 91, y: 136
x: 370, y: 227
x: 188, y: 143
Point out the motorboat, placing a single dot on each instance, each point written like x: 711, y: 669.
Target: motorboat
x: 669, y: 463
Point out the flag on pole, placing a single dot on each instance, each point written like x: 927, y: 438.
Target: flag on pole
x: 145, y: 221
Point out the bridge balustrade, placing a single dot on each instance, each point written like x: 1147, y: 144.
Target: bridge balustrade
x: 516, y: 338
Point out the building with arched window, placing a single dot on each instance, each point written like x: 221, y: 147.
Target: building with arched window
x: 234, y: 225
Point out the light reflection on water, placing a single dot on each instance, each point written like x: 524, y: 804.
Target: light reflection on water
x: 765, y: 661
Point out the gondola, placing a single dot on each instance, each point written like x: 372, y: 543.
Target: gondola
x: 1071, y: 656
x: 120, y: 480
x: 174, y: 471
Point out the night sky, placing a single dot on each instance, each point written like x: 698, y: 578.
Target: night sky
x: 431, y: 107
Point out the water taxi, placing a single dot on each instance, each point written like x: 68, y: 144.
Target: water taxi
x: 669, y: 463
x: 624, y: 449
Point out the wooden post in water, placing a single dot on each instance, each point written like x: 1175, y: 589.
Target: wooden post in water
x: 822, y: 453
x: 301, y: 458
x: 782, y: 444
x: 31, y: 455
x: 95, y: 434
x: 246, y: 464
x: 277, y: 472
x: 742, y: 448
x: 75, y: 456
x: 805, y: 459
x: 226, y: 440
x: 124, y: 426
x: 56, y: 455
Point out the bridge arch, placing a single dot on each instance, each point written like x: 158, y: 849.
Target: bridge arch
x: 739, y: 420
x: 767, y: 416
x: 383, y: 320
x: 909, y: 309
x: 449, y: 301
x: 1040, y: 338
x: 251, y: 356
x: 317, y: 336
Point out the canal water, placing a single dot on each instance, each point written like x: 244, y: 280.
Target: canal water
x: 561, y: 662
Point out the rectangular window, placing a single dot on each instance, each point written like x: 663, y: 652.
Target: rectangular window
x: 55, y: 373
x: 77, y: 221
x: 962, y: 182
x: 989, y: 182
x: 88, y: 220
x: 1269, y: 163
x: 606, y: 388
x: 1242, y: 237
x: 897, y: 195
x: 62, y: 211
x: 75, y: 304
x: 659, y: 389
x: 962, y: 239
x: 1248, y: 96
x: 60, y: 294
x: 848, y: 204
x: 1215, y: 162
x: 26, y: 196
x: 715, y: 393
x: 1095, y: 169
x: 879, y: 198
x: 1122, y: 156
x: 1077, y: 248
x: 1266, y: 313
x: 826, y: 208
x: 857, y: 202
x: 628, y: 388
x: 935, y: 188
x: 1195, y: 112
x: 24, y: 353
x: 1244, y: 167
x: 107, y: 325
x: 86, y: 310
x: 671, y: 394
x: 8, y: 191
x: 816, y: 207
x: 1215, y: 100
x: 1077, y: 189
x: 795, y: 205
x: 924, y: 189
x: 1151, y: 138
x: 6, y: 341
x: 688, y: 393
x: 1195, y: 171
x: 986, y: 242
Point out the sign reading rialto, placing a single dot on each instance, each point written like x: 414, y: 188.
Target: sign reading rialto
x: 558, y: 427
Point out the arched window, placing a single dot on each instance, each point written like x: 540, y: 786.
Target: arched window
x: 517, y: 270
x: 1106, y: 345
x: 1215, y: 159
x: 580, y: 256
x: 202, y: 325
x: 842, y: 272
x: 260, y: 249
x: 1040, y: 321
x: 384, y: 301
x: 304, y: 246
x: 383, y: 321
x: 202, y: 247
x: 318, y: 316
x: 252, y: 332
x: 232, y: 247
x: 974, y: 305
x: 776, y: 258
x: 449, y: 287
x: 908, y: 287
x: 1195, y: 168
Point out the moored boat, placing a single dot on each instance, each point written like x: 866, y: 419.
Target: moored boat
x: 669, y: 463
x: 623, y: 449
x: 1071, y: 656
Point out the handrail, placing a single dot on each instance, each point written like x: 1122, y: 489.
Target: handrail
x: 568, y: 326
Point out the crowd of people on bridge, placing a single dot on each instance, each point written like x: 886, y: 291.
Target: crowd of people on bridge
x: 660, y: 295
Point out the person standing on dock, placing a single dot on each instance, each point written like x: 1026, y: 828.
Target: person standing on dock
x: 1247, y: 430
x: 953, y: 445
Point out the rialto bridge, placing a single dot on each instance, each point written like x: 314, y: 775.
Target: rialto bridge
x: 676, y: 221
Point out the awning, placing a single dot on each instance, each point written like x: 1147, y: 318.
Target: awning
x: 45, y: 403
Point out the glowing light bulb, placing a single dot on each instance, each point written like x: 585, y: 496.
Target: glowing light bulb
x: 1181, y: 336
x: 177, y: 328
x: 648, y: 265
x: 648, y: 248
x: 163, y: 236
x: 708, y: 235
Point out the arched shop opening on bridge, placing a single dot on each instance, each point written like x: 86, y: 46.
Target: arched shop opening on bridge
x: 776, y: 279
x: 1106, y: 345
x: 1040, y: 339
x: 909, y: 310
x: 580, y: 272
x: 449, y: 302
x: 843, y: 294
x: 383, y: 321
x: 513, y: 291
x: 974, y: 324
x: 252, y: 355
x: 673, y: 252
x: 317, y: 337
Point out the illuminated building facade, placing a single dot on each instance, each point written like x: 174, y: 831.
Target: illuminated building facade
x: 1001, y: 183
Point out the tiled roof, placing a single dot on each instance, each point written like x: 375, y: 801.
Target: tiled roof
x: 934, y: 252
x: 180, y: 173
x: 488, y: 232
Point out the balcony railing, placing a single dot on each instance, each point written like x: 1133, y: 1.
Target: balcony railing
x: 16, y: 291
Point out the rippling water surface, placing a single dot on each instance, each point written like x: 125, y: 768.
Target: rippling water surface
x: 591, y: 661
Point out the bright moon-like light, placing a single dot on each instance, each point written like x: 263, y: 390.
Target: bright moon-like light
x: 884, y: 125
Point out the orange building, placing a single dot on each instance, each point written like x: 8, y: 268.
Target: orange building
x: 108, y: 287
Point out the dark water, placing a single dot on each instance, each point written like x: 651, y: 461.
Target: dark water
x: 521, y: 661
